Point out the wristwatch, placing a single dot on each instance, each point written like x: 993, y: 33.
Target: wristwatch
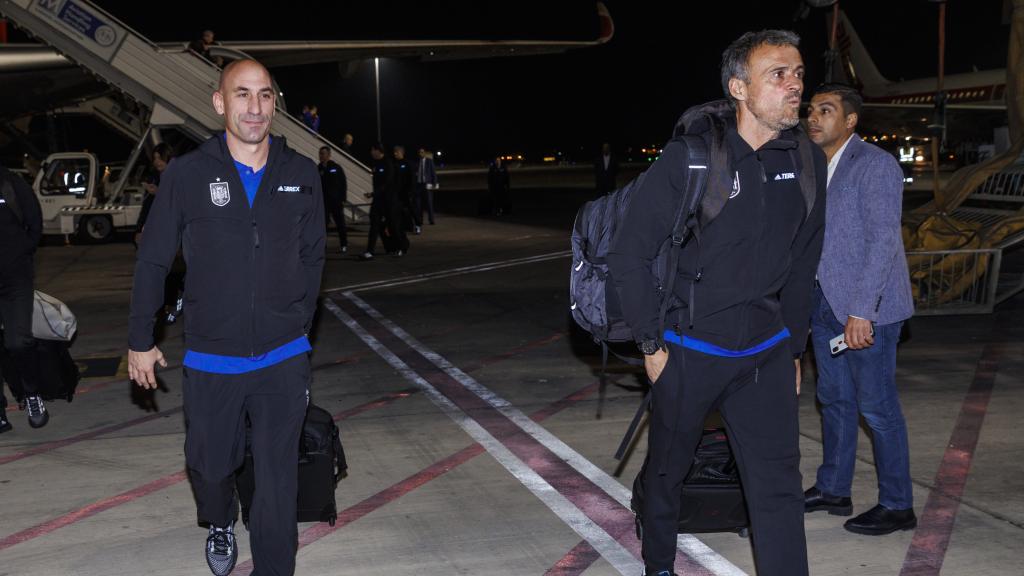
x: 648, y: 347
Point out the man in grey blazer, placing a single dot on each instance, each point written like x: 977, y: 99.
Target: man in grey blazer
x: 863, y: 294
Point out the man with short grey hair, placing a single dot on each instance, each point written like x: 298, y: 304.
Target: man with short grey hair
x: 745, y: 292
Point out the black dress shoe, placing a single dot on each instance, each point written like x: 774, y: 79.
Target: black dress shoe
x: 815, y: 500
x: 880, y: 521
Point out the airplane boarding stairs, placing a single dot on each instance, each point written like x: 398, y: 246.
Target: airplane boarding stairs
x: 175, y: 85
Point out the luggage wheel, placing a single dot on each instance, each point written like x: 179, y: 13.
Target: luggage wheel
x: 331, y: 520
x: 744, y: 532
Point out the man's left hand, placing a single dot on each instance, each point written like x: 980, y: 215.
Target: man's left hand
x: 858, y: 333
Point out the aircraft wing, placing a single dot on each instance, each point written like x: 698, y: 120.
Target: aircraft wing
x: 294, y: 53
x: 277, y: 54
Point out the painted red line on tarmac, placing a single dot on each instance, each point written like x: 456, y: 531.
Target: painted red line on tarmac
x: 935, y: 525
x: 159, y: 484
x: 91, y: 510
x: 374, y: 404
x: 396, y: 491
x: 516, y: 351
x: 50, y: 446
x: 575, y: 562
x: 615, y: 519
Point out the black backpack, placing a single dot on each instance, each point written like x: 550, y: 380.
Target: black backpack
x: 593, y: 303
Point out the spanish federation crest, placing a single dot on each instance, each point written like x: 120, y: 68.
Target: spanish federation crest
x: 219, y: 193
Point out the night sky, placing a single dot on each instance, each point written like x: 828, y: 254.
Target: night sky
x: 662, y: 59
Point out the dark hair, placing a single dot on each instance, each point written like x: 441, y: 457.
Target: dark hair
x: 328, y: 148
x: 852, y: 101
x: 377, y: 146
x: 164, y: 150
x: 737, y: 55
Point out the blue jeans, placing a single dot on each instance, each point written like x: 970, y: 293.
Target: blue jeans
x: 860, y: 382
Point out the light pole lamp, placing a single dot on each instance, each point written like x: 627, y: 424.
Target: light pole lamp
x: 376, y: 82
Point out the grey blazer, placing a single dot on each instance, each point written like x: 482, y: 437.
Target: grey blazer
x: 863, y: 268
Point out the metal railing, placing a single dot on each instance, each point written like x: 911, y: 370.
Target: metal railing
x: 954, y: 281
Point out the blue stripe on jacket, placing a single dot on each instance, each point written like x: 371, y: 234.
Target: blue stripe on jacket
x: 714, y: 350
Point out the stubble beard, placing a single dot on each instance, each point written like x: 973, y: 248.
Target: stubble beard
x: 776, y: 120
x: 251, y: 135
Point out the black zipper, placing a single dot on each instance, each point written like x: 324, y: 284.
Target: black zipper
x: 691, y: 304
x: 745, y: 316
x: 252, y: 287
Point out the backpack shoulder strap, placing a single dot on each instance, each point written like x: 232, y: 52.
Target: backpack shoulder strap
x: 808, y: 175
x: 687, y: 217
x: 696, y: 180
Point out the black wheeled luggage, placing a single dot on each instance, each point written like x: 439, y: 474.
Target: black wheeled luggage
x: 321, y: 466
x: 712, y: 499
x: 58, y: 373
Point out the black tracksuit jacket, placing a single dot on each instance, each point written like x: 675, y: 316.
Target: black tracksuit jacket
x: 752, y: 271
x: 332, y: 178
x: 253, y: 272
x: 21, y: 220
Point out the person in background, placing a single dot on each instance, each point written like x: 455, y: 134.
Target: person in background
x: 863, y: 293
x: 383, y: 177
x: 426, y: 183
x: 311, y: 117
x: 498, y: 186
x: 21, y: 228
x: 201, y: 46
x: 406, y: 182
x: 606, y: 170
x: 335, y: 185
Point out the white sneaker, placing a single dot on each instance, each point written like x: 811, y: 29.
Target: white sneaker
x: 37, y: 414
x: 366, y: 256
x: 221, y: 552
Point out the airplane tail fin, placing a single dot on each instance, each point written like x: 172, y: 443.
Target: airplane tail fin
x: 607, y: 29
x: 854, y: 63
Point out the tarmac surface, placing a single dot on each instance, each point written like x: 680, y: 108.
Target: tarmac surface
x: 467, y: 405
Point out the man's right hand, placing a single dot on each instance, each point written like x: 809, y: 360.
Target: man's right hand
x: 655, y: 363
x: 141, y: 366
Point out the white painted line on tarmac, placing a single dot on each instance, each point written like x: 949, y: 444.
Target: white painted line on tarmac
x: 608, y: 547
x: 687, y: 543
x: 401, y: 281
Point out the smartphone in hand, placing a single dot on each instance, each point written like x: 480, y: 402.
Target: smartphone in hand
x: 837, y: 344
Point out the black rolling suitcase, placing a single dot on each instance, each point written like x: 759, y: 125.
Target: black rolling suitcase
x: 58, y: 373
x: 712, y: 499
x: 321, y: 466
